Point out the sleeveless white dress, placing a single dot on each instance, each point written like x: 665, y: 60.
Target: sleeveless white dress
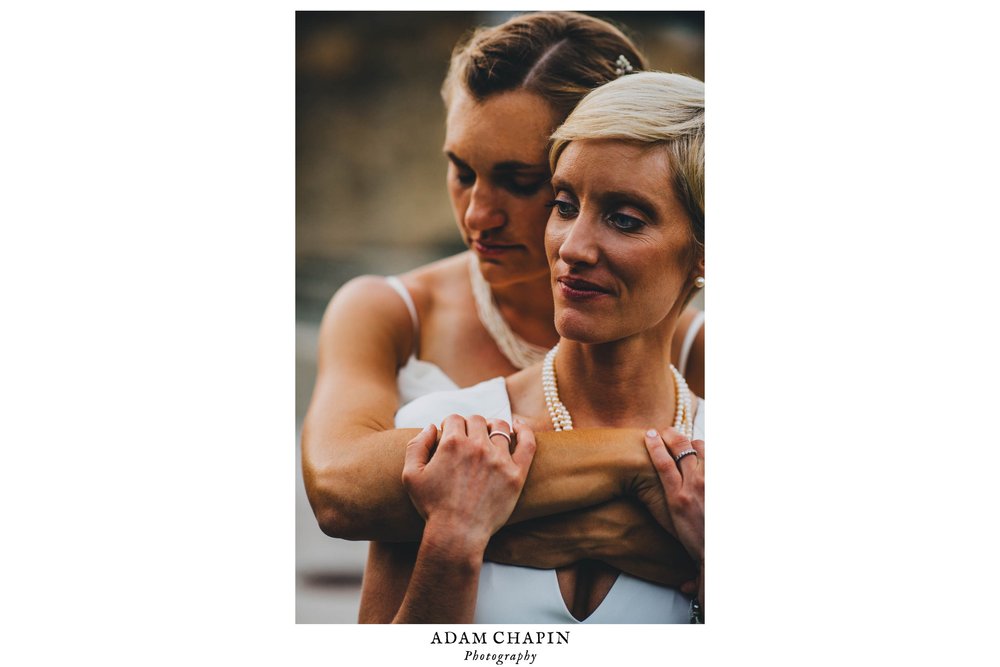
x: 511, y: 594
x: 417, y: 377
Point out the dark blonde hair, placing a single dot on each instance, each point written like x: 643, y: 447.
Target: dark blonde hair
x: 560, y: 56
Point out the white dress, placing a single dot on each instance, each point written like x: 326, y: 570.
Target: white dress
x: 511, y: 594
x: 417, y: 377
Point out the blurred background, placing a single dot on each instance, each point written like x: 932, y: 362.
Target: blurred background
x: 371, y: 198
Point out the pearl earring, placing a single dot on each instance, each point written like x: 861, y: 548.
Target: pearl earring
x: 699, y: 282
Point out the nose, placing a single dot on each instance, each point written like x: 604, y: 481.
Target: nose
x: 484, y: 211
x: 580, y: 246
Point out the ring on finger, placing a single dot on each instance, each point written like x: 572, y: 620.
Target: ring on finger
x: 510, y: 443
x: 687, y: 452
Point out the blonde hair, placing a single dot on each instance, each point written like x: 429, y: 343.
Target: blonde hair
x: 654, y: 108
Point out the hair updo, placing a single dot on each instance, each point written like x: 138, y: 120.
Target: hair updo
x: 560, y: 56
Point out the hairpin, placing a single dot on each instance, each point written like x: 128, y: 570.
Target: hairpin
x: 623, y: 66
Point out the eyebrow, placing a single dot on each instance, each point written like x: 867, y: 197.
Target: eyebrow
x: 500, y: 167
x: 615, y: 197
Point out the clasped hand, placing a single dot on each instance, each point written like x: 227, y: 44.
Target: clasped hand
x: 468, y: 484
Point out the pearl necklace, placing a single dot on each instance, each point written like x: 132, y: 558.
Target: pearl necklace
x: 518, y: 351
x: 562, y: 421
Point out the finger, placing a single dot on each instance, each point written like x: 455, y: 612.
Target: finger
x: 677, y: 444
x: 453, y: 425
x: 689, y: 587
x: 475, y: 425
x: 663, y: 463
x: 418, y: 450
x: 496, y: 427
x: 524, y: 446
x: 699, y: 446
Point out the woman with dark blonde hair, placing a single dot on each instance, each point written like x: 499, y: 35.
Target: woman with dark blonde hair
x: 485, y: 313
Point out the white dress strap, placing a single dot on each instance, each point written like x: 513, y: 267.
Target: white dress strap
x: 397, y: 284
x: 696, y: 324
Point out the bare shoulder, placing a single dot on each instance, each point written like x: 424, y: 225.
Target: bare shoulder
x: 440, y: 282
x: 367, y: 308
x: 367, y: 296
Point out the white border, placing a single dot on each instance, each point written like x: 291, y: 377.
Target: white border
x: 147, y: 265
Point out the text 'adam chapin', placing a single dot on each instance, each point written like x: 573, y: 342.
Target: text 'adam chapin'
x: 501, y: 637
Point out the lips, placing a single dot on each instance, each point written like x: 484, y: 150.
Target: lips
x: 578, y: 288
x: 490, y: 248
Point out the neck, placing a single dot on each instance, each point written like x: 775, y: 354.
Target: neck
x: 627, y: 383
x: 527, y: 309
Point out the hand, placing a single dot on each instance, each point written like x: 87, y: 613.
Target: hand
x: 680, y: 508
x: 467, y: 487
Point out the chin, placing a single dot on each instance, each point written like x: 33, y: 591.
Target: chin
x: 499, y: 273
x: 575, y: 327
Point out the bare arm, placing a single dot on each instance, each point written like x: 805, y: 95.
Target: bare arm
x: 352, y: 457
x: 620, y: 533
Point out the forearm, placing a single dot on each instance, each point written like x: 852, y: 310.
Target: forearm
x: 354, y: 485
x: 445, y: 579
x: 578, y: 469
x: 356, y: 491
x: 619, y: 533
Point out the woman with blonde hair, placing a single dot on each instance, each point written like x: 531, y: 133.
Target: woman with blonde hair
x: 625, y: 247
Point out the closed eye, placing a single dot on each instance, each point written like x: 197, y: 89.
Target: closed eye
x: 522, y: 187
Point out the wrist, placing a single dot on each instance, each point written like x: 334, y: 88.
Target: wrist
x: 638, y: 472
x: 445, y: 541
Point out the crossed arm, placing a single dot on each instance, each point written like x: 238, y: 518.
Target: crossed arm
x: 353, y: 457
x: 466, y: 491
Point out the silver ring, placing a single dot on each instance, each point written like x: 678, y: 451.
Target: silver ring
x: 510, y: 443
x: 686, y: 452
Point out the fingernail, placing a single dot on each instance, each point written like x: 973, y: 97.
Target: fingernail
x: 517, y: 420
x: 427, y: 428
x: 651, y: 433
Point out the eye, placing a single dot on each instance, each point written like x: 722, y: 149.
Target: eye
x: 465, y: 177
x: 625, y: 223
x: 564, y: 209
x: 524, y: 188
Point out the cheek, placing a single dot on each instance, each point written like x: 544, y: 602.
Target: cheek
x: 553, y: 239
x: 459, y: 200
x: 663, y: 277
x: 533, y: 216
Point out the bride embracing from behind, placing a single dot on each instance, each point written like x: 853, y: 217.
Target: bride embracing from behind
x: 625, y: 247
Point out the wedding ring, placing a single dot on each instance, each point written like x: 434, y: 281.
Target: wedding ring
x: 510, y: 443
x: 686, y: 452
